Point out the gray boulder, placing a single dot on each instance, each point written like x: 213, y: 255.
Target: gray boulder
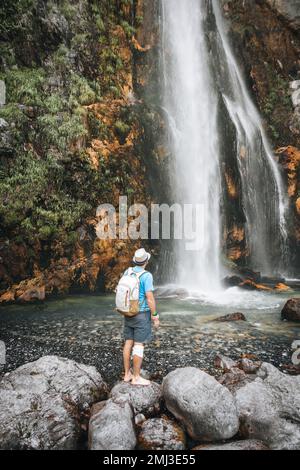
x: 161, y: 434
x: 145, y: 400
x: 41, y: 403
x: 269, y: 409
x: 291, y: 310
x: 112, y: 427
x: 206, y: 408
x: 288, y: 9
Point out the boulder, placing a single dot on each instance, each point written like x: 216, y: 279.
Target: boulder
x: 245, y: 364
x: 295, y: 85
x: 249, y: 444
x: 225, y: 363
x: 232, y: 281
x: 112, y: 428
x: 269, y: 409
x: 205, y: 407
x: 248, y: 366
x: 145, y: 400
x: 41, y: 403
x: 161, y: 434
x: 232, y: 317
x: 235, y: 379
x: 55, y: 26
x: 291, y: 310
x: 97, y: 407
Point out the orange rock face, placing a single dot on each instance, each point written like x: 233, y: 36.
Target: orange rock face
x: 236, y: 244
x: 298, y: 206
x: 231, y: 188
x: 289, y: 158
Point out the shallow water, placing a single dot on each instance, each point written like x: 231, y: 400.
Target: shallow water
x: 87, y: 329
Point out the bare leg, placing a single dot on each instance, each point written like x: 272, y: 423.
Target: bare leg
x: 126, y: 359
x: 137, y: 365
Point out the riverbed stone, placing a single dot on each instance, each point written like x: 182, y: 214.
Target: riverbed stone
x: 230, y: 365
x: 235, y: 379
x: 161, y: 434
x: 41, y: 403
x: 238, y: 316
x: 112, y: 428
x: 269, y: 409
x: 145, y: 400
x: 291, y: 310
x: 225, y: 363
x: 205, y: 407
x: 249, y: 366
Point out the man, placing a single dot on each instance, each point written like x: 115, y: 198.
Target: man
x: 137, y: 330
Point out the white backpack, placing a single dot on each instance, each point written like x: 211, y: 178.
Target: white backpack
x: 127, y: 293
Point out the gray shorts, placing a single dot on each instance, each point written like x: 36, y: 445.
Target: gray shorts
x: 138, y: 328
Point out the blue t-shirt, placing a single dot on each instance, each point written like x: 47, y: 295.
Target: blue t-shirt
x: 146, y: 285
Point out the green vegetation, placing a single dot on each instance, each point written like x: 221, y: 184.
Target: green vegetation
x: 277, y: 104
x: 48, y: 187
x: 11, y: 14
x: 37, y: 198
x: 122, y: 130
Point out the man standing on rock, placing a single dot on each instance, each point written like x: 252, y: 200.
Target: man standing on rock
x: 138, y: 329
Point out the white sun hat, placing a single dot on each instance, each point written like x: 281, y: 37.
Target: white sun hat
x: 141, y: 256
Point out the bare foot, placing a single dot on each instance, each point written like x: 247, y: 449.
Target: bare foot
x: 128, y: 377
x: 140, y: 381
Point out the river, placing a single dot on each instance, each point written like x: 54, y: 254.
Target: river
x: 87, y: 329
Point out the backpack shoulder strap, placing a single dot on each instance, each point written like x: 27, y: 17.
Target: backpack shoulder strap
x: 140, y: 273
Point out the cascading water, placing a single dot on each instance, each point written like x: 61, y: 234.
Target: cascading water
x: 264, y: 203
x: 200, y: 71
x: 191, y: 106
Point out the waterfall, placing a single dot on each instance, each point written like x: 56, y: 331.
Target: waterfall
x: 263, y: 196
x: 191, y: 105
x: 200, y: 74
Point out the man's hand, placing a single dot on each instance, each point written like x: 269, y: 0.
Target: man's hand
x: 155, y: 322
